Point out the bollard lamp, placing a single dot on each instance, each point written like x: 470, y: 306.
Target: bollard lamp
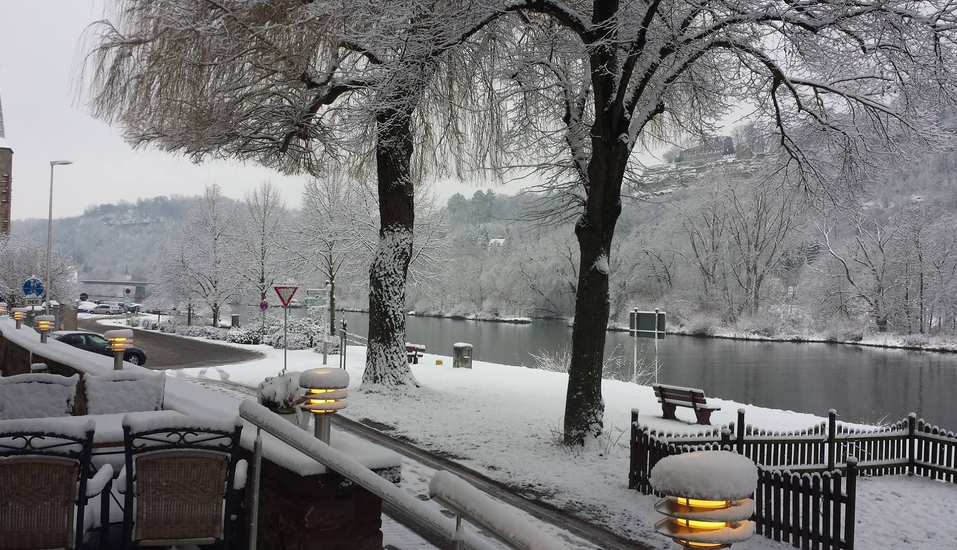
x: 120, y: 341
x: 707, y: 502
x: 325, y: 394
x: 3, y: 308
x: 44, y: 323
x: 19, y: 314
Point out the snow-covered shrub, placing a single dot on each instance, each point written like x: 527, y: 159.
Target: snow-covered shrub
x: 556, y: 360
x: 915, y: 341
x: 212, y: 333
x: 243, y: 336
x: 280, y: 393
x: 701, y: 324
x: 148, y: 324
x: 294, y: 341
x: 168, y: 328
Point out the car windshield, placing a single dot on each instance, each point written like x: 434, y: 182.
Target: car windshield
x: 97, y: 340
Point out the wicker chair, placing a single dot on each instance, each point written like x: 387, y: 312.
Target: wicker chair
x: 178, y: 481
x: 43, y: 475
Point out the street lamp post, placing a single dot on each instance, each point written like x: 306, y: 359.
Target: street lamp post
x: 46, y: 289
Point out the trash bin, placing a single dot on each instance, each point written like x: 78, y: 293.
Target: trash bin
x: 461, y: 356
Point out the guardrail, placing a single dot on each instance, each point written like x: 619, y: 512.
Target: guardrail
x: 412, y: 509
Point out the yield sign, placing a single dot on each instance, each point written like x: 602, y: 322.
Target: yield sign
x: 285, y: 293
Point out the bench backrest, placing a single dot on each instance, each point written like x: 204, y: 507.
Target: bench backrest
x: 678, y: 393
x: 124, y: 391
x: 37, y: 395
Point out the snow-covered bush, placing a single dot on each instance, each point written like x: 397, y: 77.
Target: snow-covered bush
x: 294, y: 341
x: 148, y: 324
x: 243, y: 336
x: 280, y: 393
x: 168, y: 328
x: 701, y: 324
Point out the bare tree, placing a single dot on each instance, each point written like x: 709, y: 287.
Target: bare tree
x: 593, y: 80
x: 24, y: 258
x: 330, y: 231
x: 256, y: 253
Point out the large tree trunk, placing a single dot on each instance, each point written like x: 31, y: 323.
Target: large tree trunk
x: 584, y: 408
x: 386, y: 362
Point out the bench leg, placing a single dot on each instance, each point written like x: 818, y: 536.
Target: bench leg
x: 415, y: 359
x: 668, y: 411
x: 703, y: 416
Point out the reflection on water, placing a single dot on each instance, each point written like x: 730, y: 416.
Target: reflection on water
x: 863, y: 384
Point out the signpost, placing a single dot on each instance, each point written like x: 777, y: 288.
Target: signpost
x: 33, y: 292
x: 647, y: 324
x: 263, y: 306
x: 319, y: 297
x: 285, y: 294
x: 129, y: 316
x: 33, y: 286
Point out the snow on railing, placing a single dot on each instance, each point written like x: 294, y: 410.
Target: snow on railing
x: 424, y: 516
x: 496, y: 517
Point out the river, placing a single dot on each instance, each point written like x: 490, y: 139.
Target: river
x: 867, y: 385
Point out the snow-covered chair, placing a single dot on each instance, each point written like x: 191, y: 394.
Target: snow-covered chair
x: 37, y: 395
x: 124, y: 391
x: 44, y: 485
x: 181, y: 479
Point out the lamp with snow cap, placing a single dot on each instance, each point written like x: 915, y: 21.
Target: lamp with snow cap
x: 3, y: 308
x: 44, y: 323
x: 120, y: 340
x: 19, y: 314
x: 326, y: 393
x: 707, y: 502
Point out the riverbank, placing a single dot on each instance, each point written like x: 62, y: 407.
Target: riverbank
x: 910, y: 342
x: 505, y: 422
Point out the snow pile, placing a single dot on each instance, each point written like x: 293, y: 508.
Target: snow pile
x: 707, y: 475
x: 486, y: 511
x: 124, y: 391
x: 75, y: 428
x: 325, y: 378
x: 37, y: 395
x: 147, y: 422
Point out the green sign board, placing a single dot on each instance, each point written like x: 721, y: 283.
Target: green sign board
x: 642, y: 324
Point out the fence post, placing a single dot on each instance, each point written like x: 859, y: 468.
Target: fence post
x: 831, y: 438
x: 725, y: 438
x: 911, y: 442
x: 739, y: 432
x: 633, y: 462
x: 851, y: 503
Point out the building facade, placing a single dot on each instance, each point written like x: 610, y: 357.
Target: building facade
x: 6, y: 178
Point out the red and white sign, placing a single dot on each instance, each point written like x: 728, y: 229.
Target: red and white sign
x: 286, y: 293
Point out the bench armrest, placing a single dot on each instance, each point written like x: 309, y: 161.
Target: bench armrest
x: 100, y: 480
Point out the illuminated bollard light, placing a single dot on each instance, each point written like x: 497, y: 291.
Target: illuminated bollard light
x: 707, y: 502
x: 44, y: 323
x: 3, y: 308
x: 120, y: 341
x: 19, y: 314
x: 326, y: 393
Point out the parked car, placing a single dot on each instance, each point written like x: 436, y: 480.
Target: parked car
x: 107, y: 309
x: 85, y: 307
x: 90, y: 341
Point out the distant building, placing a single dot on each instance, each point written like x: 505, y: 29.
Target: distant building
x: 496, y: 243
x: 6, y: 177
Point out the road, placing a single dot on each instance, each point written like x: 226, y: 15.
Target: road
x: 164, y: 351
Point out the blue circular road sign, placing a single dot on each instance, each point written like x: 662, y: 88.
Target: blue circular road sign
x: 33, y: 286
x: 264, y: 305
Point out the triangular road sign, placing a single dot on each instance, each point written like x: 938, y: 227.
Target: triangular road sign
x: 286, y: 293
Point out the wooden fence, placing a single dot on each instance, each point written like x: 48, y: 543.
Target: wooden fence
x: 810, y: 510
x: 910, y: 446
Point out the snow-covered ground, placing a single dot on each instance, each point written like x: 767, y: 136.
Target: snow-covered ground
x: 504, y: 422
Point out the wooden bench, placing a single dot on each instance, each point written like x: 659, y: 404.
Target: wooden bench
x: 672, y: 397
x: 414, y: 352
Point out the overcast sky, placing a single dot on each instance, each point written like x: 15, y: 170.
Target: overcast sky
x: 39, y: 49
